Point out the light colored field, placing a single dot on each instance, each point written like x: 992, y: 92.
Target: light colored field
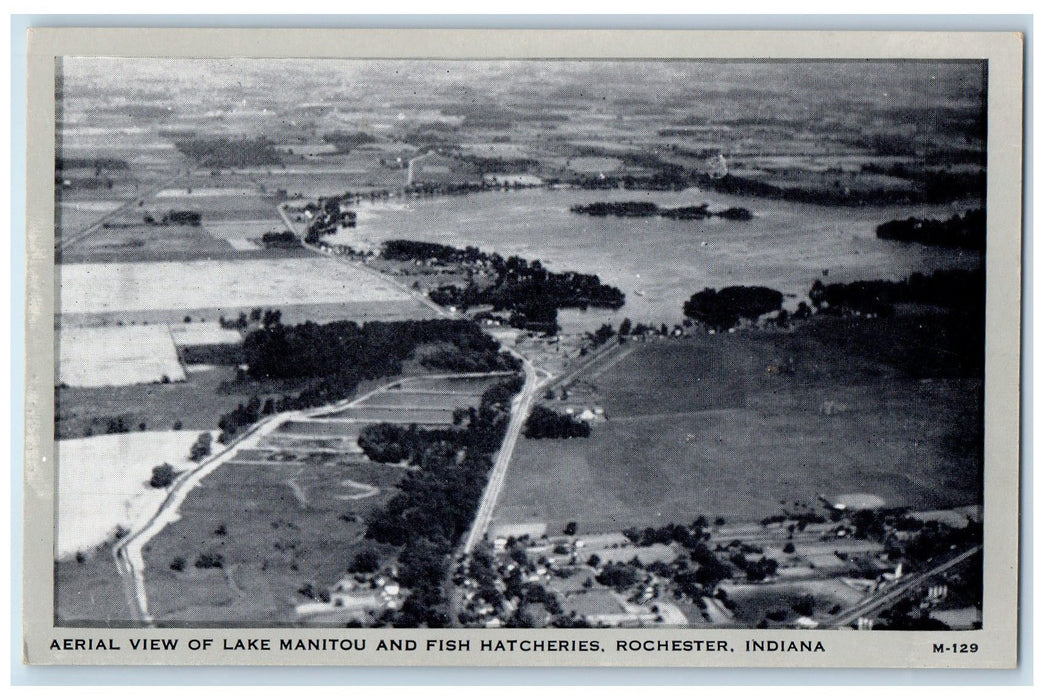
x: 320, y: 428
x: 104, y: 288
x: 420, y: 416
x: 93, y: 206
x: 116, y: 356
x: 242, y: 244
x: 102, y: 483
x: 181, y: 192
x: 204, y: 334
x: 422, y: 400
x: 471, y: 385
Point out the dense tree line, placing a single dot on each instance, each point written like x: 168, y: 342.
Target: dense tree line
x: 625, y: 209
x: 331, y: 359
x: 481, y: 430
x: 372, y: 350
x: 544, y: 422
x: 723, y: 309
x: 99, y: 164
x: 952, y: 289
x: 225, y: 152
x: 930, y: 186
x: 966, y: 230
x: 346, y: 141
x: 646, y: 209
x: 436, y: 503
x: 519, y: 284
x: 405, y: 250
x: 528, y: 290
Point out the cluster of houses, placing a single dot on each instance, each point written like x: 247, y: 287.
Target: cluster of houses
x: 356, y: 594
x: 327, y: 218
x: 553, y: 581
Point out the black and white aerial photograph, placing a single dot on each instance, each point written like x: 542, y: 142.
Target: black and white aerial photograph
x: 519, y: 343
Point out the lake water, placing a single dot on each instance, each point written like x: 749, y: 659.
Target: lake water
x: 786, y: 246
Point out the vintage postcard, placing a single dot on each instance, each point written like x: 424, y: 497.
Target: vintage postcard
x: 572, y: 348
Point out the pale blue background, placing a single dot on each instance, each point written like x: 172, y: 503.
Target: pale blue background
x: 24, y: 675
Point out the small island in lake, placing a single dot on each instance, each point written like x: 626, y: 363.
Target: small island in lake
x: 647, y: 209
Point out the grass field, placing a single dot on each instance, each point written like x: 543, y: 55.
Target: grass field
x: 359, y: 311
x: 753, y: 602
x: 277, y: 527
x: 422, y: 400
x: 471, y: 385
x: 218, y: 284
x: 73, y: 216
x: 714, y: 426
x: 196, y: 403
x: 140, y: 243
x: 229, y: 204
x: 420, y: 416
x: 320, y: 428
x: 93, y: 357
x: 90, y: 592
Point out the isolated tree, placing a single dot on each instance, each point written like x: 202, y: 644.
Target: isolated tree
x: 162, y: 476
x: 200, y: 448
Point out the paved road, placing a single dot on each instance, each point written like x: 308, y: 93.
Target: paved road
x: 900, y: 590
x: 519, y: 411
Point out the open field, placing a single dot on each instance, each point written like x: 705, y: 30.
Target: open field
x: 73, y: 216
x: 241, y: 234
x: 114, y: 356
x: 218, y: 284
x: 420, y: 416
x: 276, y: 525
x: 305, y: 443
x: 196, y: 403
x: 227, y: 205
x: 140, y: 243
x: 91, y: 592
x: 712, y: 426
x: 753, y: 602
x: 204, y: 334
x: 103, y: 483
x: 423, y: 400
x: 320, y: 428
x: 470, y: 385
x: 359, y: 311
